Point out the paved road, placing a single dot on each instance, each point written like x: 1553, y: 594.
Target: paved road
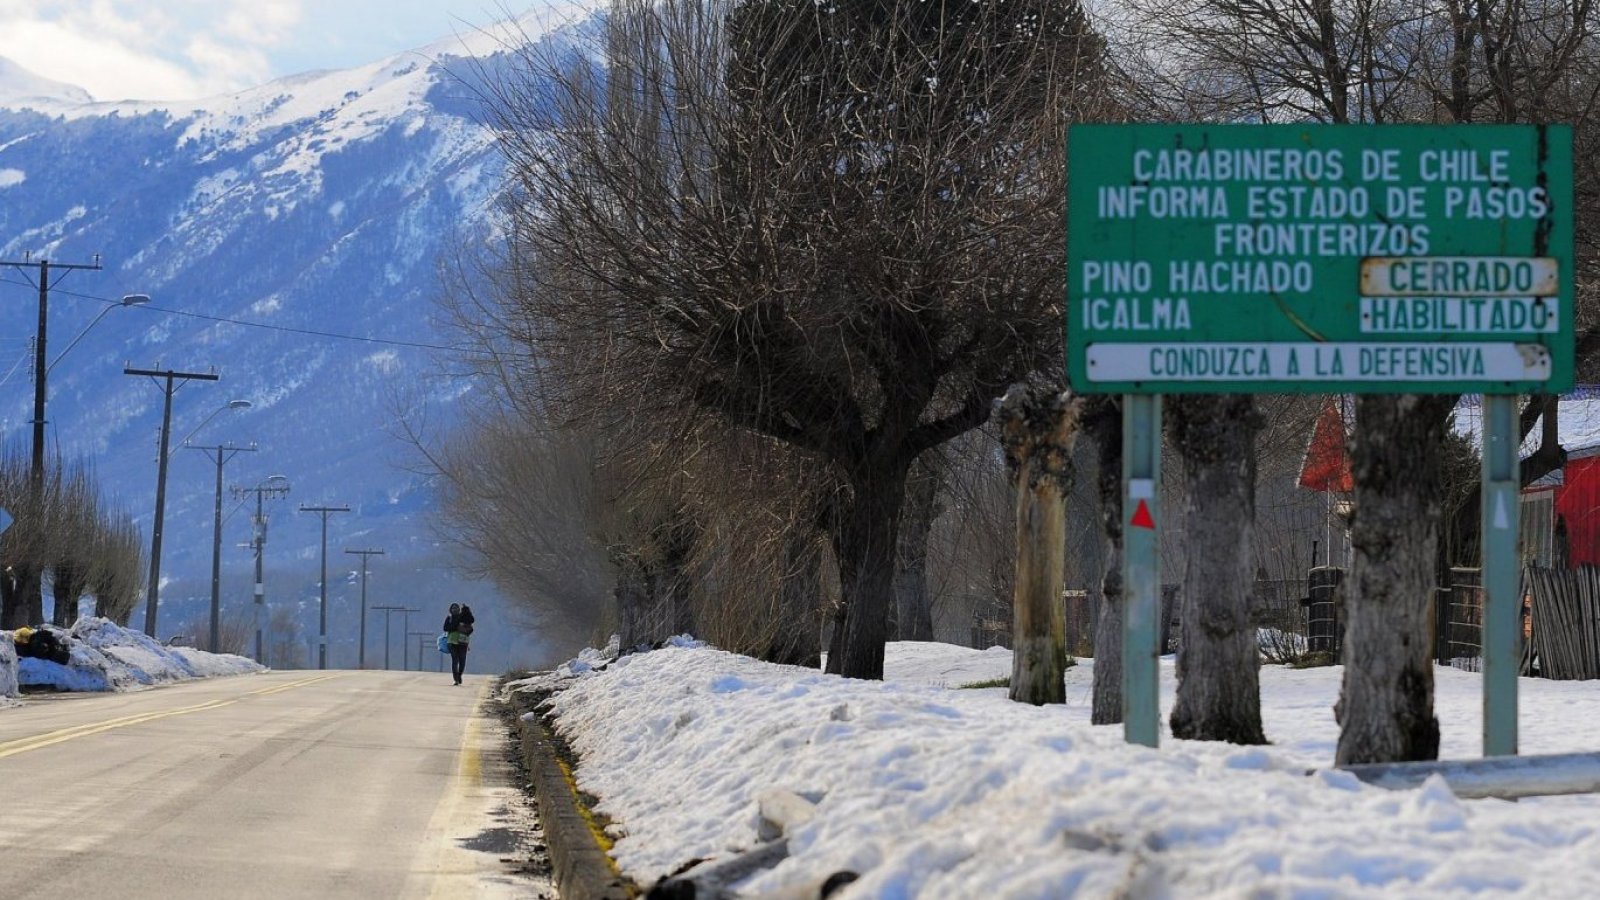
x: 287, y: 784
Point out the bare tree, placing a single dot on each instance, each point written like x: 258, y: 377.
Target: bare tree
x: 286, y: 643
x: 73, y: 556
x: 837, y: 228
x: 117, y: 578
x: 27, y: 547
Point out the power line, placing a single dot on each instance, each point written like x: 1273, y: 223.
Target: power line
x: 247, y: 324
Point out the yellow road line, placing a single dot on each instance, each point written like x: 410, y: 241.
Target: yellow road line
x: 471, y: 769
x: 454, y: 872
x: 292, y: 684
x: 38, y: 741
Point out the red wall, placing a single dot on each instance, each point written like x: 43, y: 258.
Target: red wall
x: 1578, y: 504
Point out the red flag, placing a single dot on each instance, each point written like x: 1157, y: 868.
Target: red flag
x: 1327, y: 465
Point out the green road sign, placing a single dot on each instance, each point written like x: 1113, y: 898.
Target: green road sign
x: 1320, y: 258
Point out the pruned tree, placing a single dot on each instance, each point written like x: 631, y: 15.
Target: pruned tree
x: 117, y: 579
x: 73, y: 557
x: 837, y: 228
x: 286, y: 640
x: 1038, y: 427
x: 27, y: 546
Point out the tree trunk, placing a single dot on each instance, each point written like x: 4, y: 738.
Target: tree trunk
x: 1385, y: 708
x: 1102, y: 422
x: 10, y: 600
x: 913, y: 602
x: 797, y: 639
x: 1038, y: 433
x: 676, y: 581
x: 1219, y: 661
x: 633, y: 603
x: 26, y: 606
x: 865, y: 545
x: 68, y: 588
x: 841, y: 617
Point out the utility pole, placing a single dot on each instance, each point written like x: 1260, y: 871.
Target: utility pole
x: 220, y: 454
x: 386, y: 611
x: 273, y: 486
x: 361, y: 653
x: 405, y: 625
x: 34, y: 573
x: 322, y: 628
x: 419, y: 635
x: 172, y: 379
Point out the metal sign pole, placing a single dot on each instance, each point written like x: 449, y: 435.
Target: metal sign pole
x: 1502, y: 596
x: 1141, y: 569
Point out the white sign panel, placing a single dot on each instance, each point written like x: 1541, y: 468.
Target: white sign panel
x: 1262, y: 361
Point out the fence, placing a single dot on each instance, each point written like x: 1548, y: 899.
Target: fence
x: 1280, y: 614
x: 1464, y: 640
x: 1565, y: 632
x: 1324, y: 628
x: 1278, y: 609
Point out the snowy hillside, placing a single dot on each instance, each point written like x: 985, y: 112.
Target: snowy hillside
x: 18, y: 87
x: 320, y: 204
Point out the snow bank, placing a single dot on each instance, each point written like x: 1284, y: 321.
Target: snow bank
x: 8, y: 668
x: 108, y: 657
x: 928, y: 791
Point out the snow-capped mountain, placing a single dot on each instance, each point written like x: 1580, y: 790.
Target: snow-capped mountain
x: 18, y: 86
x: 320, y: 204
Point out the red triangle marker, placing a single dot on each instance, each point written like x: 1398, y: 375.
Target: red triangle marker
x: 1142, y: 517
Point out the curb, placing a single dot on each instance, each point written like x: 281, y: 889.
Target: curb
x: 583, y: 869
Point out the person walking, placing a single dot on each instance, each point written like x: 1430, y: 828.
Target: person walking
x: 458, y: 629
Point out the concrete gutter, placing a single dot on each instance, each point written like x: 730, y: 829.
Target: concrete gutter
x: 583, y: 869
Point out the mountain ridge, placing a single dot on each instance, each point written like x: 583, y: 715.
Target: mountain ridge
x: 318, y: 203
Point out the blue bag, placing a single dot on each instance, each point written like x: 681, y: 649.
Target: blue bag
x: 444, y: 643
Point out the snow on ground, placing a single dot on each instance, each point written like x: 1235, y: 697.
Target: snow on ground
x: 108, y: 657
x: 8, y: 670
x: 931, y: 791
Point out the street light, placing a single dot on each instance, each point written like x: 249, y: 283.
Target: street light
x: 221, y: 453
x: 126, y: 301
x: 271, y: 486
x: 231, y: 404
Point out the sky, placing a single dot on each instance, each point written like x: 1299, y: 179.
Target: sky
x: 186, y: 49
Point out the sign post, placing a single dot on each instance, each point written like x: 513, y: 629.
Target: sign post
x: 1323, y: 259
x: 1141, y: 569
x: 1502, y: 575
